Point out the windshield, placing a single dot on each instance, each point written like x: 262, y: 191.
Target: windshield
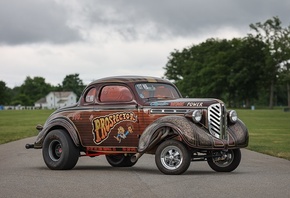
x: 156, y: 91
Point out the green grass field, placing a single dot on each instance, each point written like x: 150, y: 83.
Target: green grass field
x: 269, y: 129
x: 18, y: 124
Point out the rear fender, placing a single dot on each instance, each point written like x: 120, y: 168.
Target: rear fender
x: 58, y: 123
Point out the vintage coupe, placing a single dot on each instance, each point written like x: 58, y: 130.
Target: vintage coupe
x: 126, y: 116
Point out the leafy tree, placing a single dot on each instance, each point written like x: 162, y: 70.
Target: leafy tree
x: 276, y: 51
x: 5, y: 93
x: 246, y: 76
x: 227, y: 69
x: 22, y: 99
x: 194, y: 69
x: 32, y: 90
x: 36, y: 88
x: 284, y: 70
x: 73, y: 83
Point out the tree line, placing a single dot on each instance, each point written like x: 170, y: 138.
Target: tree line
x: 253, y: 70
x: 36, y: 88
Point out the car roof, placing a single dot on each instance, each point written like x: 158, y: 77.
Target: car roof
x: 128, y: 79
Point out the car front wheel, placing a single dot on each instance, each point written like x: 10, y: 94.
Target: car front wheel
x: 224, y: 161
x: 59, y: 152
x: 172, y: 157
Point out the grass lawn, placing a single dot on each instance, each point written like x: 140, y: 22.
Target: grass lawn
x: 18, y: 124
x: 269, y: 129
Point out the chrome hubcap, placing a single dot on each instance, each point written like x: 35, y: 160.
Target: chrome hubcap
x: 171, y: 157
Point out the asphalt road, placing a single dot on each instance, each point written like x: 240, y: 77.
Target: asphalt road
x: 24, y: 174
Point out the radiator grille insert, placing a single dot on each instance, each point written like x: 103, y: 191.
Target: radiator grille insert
x: 216, y: 121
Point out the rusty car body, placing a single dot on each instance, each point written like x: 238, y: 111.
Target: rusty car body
x: 125, y: 117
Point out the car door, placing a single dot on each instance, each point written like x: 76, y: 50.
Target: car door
x: 114, y: 119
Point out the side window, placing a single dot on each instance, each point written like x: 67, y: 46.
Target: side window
x: 114, y: 93
x: 90, y: 96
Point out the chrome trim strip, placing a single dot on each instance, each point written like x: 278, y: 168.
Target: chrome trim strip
x: 168, y: 111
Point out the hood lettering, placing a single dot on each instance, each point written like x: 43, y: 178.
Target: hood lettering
x: 194, y: 104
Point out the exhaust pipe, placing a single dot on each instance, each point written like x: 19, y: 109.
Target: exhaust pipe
x: 135, y: 157
x: 29, y: 146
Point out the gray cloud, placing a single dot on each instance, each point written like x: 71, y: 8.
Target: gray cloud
x: 118, y: 37
x: 182, y: 18
x: 33, y: 21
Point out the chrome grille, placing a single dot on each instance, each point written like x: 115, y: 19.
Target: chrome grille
x: 216, y: 121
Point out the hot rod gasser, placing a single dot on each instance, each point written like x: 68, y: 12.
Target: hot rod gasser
x: 125, y: 117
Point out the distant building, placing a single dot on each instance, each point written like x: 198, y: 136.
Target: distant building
x: 55, y: 100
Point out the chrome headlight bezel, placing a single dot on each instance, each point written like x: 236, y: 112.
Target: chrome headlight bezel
x: 196, y: 116
x: 233, y: 116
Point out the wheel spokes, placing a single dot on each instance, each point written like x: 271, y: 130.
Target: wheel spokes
x: 171, y: 158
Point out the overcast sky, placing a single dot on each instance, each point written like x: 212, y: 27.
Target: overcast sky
x: 99, y: 38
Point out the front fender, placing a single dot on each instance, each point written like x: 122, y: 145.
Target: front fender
x: 238, y: 135
x: 180, y: 125
x: 193, y: 135
x: 60, y: 122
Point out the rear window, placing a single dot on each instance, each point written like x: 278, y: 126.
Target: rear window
x: 115, y: 93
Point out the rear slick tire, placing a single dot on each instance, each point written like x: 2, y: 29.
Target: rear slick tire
x: 59, y: 152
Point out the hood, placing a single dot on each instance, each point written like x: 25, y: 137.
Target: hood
x: 185, y: 102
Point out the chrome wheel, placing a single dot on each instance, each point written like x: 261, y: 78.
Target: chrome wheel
x: 171, y: 157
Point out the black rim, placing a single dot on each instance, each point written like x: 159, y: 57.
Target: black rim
x: 225, y: 160
x: 55, y: 150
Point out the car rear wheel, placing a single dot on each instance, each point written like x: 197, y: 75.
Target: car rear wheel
x: 224, y: 161
x: 120, y: 160
x: 172, y: 157
x: 59, y: 152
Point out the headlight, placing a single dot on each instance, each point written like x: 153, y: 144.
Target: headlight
x: 233, y: 116
x: 196, y: 116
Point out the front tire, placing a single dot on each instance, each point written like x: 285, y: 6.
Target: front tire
x: 59, y: 152
x: 172, y: 157
x: 224, y: 161
x: 120, y: 160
